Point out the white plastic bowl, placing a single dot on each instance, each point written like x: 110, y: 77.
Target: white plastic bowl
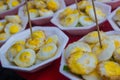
x: 41, y: 20
x: 62, y: 40
x: 81, y: 30
x: 63, y: 62
x: 112, y: 22
x: 11, y: 11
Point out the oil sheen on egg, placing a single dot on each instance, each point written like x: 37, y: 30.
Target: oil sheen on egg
x: 47, y: 51
x: 52, y: 39
x: 45, y: 12
x: 25, y: 58
x: 12, y: 28
x: 82, y: 63
x: 70, y: 20
x: 110, y: 70
x: 108, y: 48
x: 76, y: 46
x: 85, y: 20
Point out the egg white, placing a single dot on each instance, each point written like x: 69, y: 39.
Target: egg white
x: 52, y: 39
x: 45, y: 12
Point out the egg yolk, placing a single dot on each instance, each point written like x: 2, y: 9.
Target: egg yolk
x: 34, y: 41
x: 94, y: 34
x: 69, y: 20
x: 88, y: 8
x: 117, y: 43
x: 118, y: 12
x: 15, y: 3
x: 14, y: 29
x: 44, y: 10
x: 21, y: 42
x: 87, y: 19
x: 32, y: 10
x: 68, y: 11
x: 1, y: 24
x: 74, y: 65
x: 76, y: 49
x: 17, y: 47
x: 38, y: 34
x: 100, y: 13
x: 112, y: 69
x: 118, y: 50
x: 25, y: 57
x: 52, y: 5
x: 49, y: 40
x: 48, y: 48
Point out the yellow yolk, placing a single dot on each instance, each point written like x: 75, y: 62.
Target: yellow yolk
x: 17, y: 47
x: 32, y: 10
x: 48, y: 48
x: 75, y: 11
x: 44, y: 10
x: 34, y: 41
x: 22, y: 42
x: 38, y: 34
x: 25, y: 57
x: 2, y: 36
x: 49, y: 40
x: 99, y: 49
x: 14, y: 29
x: 118, y: 12
x: 88, y: 8
x: 52, y: 5
x: 68, y: 11
x: 94, y: 34
x: 69, y: 20
x: 15, y: 3
x: 74, y: 65
x: 88, y: 19
x: 76, y: 49
x: 1, y: 24
x: 112, y: 69
x: 117, y: 43
x: 99, y: 12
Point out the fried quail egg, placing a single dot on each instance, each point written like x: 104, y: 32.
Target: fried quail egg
x: 100, y: 15
x: 85, y: 20
x: 47, y: 51
x: 66, y: 12
x: 53, y: 5
x: 116, y: 55
x: 106, y: 52
x: 14, y: 50
x: 76, y: 46
x: 109, y: 70
x: 83, y: 4
x: 25, y: 58
x: 70, y: 20
x: 117, y: 15
x: 13, y: 19
x: 40, y: 4
x: 45, y: 12
x: 12, y: 28
x: 13, y: 3
x: 1, y: 26
x: 4, y: 36
x: 33, y: 13
x: 39, y: 34
x: 116, y: 40
x: 92, y: 76
x: 92, y: 37
x: 82, y: 62
x: 34, y: 43
x: 52, y: 39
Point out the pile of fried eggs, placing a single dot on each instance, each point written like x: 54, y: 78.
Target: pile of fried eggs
x: 42, y: 8
x: 11, y: 25
x: 86, y: 58
x: 8, y: 4
x: 31, y: 51
x: 84, y: 17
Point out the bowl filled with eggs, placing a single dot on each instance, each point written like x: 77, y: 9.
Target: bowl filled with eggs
x: 9, y: 7
x: 114, y: 19
x: 11, y: 25
x: 86, y: 60
x: 82, y: 21
x: 31, y: 53
x: 41, y: 11
x: 113, y: 3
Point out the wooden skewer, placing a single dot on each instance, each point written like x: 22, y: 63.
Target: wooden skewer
x: 96, y: 20
x: 29, y: 18
x: 77, y: 6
